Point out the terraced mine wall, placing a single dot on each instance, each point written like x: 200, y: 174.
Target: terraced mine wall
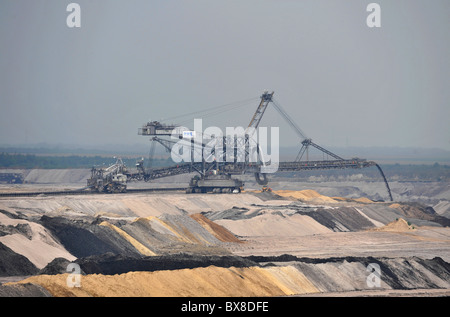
x: 234, y: 276
x: 219, y: 245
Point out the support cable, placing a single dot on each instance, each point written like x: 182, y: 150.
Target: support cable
x: 214, y: 110
x: 289, y: 120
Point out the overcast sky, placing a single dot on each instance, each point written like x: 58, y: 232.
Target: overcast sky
x: 345, y: 84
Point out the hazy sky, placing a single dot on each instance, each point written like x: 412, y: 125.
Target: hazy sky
x: 344, y: 83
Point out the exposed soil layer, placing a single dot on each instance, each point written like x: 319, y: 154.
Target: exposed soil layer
x: 140, y: 237
x: 306, y: 195
x: 82, y: 238
x: 340, y: 219
x: 23, y: 290
x: 398, y: 273
x: 254, y: 276
x: 252, y: 244
x: 110, y: 264
x: 420, y: 211
x: 399, y: 225
x: 12, y: 264
x: 57, y: 266
x: 30, y: 239
x: 219, y: 232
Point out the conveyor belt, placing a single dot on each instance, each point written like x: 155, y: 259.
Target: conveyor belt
x: 85, y: 192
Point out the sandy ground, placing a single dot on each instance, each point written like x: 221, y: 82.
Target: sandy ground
x: 383, y: 293
x: 275, y: 229
x: 425, y: 243
x: 301, y: 223
x: 341, y: 277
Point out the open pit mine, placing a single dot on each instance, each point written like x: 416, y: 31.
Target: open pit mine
x: 278, y: 243
x: 206, y: 233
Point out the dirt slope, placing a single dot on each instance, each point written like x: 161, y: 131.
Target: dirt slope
x: 295, y: 277
x: 12, y: 263
x: 183, y: 245
x: 30, y: 239
x: 400, y: 225
x: 218, y: 231
x: 307, y: 195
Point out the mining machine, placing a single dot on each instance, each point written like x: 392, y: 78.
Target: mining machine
x: 212, y: 171
x: 112, y: 179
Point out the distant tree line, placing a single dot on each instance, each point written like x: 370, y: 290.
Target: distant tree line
x: 29, y: 161
x: 393, y: 172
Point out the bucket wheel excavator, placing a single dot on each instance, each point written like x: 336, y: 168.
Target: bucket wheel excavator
x: 112, y: 179
x: 215, y: 176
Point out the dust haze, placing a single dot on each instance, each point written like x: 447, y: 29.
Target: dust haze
x: 344, y: 83
x: 379, y: 93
